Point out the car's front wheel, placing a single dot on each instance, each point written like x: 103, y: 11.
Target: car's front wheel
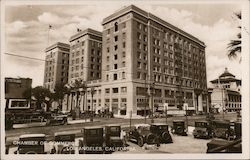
x: 140, y: 141
x: 166, y: 136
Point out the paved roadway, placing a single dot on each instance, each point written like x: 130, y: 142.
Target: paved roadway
x: 76, y: 128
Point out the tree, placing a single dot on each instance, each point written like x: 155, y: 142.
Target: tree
x: 79, y: 87
x: 234, y: 47
x: 58, y: 95
x: 42, y: 95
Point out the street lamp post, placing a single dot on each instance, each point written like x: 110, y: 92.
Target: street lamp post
x: 92, y: 94
x: 152, y: 101
x: 186, y: 108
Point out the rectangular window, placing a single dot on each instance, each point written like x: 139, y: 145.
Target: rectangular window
x: 124, y: 89
x: 92, y: 51
x: 115, y: 76
x: 138, y: 35
x: 115, y: 90
x: 116, y: 47
x: 123, y: 54
x: 124, y: 44
x: 123, y: 75
x: 115, y: 57
x: 116, y: 38
x: 107, y: 90
x: 115, y: 66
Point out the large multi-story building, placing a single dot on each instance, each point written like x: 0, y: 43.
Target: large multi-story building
x: 56, y: 65
x: 226, y: 93
x: 148, y: 62
x: 85, y: 56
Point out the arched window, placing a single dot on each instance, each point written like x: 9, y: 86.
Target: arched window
x: 116, y: 26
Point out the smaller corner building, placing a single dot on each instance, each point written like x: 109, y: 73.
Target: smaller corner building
x: 226, y: 93
x: 17, y: 94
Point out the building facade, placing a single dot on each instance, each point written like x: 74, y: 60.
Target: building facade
x: 148, y: 62
x: 56, y: 65
x: 226, y: 93
x: 17, y: 93
x: 85, y: 56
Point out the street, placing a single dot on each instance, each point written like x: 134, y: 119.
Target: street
x: 181, y: 144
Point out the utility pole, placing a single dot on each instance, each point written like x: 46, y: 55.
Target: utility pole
x: 152, y: 101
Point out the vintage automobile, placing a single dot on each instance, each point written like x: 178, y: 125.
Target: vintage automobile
x: 57, y: 119
x: 179, y: 128
x: 31, y: 144
x: 203, y: 129
x: 64, y: 143
x: 215, y: 144
x: 223, y: 129
x: 142, y: 134
x: 93, y: 141
x: 161, y: 130
x: 113, y: 136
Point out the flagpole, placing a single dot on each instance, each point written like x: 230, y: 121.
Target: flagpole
x: 48, y: 34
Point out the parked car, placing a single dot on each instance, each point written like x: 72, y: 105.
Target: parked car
x: 161, y: 130
x: 179, y: 128
x: 142, y: 134
x: 64, y: 143
x: 57, y: 119
x: 113, y: 136
x: 31, y: 144
x: 212, y: 146
x: 203, y: 129
x: 223, y: 130
x: 93, y: 140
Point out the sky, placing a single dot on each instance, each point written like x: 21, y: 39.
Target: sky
x: 26, y: 31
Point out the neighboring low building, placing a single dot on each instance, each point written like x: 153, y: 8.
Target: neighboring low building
x: 226, y: 93
x: 17, y: 94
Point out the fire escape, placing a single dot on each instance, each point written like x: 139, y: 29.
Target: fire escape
x: 178, y: 73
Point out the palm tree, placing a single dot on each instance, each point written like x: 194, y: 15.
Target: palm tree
x: 234, y: 47
x: 79, y: 87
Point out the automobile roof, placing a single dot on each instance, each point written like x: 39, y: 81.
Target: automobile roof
x: 64, y: 133
x: 143, y: 125
x: 92, y: 127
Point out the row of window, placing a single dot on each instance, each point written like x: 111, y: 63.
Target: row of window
x: 115, y: 76
x: 115, y: 66
x: 117, y: 27
x: 116, y: 90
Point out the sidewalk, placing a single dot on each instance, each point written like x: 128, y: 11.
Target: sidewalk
x: 40, y: 124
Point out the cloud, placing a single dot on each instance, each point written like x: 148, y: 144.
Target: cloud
x: 49, y: 18
x: 15, y: 27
